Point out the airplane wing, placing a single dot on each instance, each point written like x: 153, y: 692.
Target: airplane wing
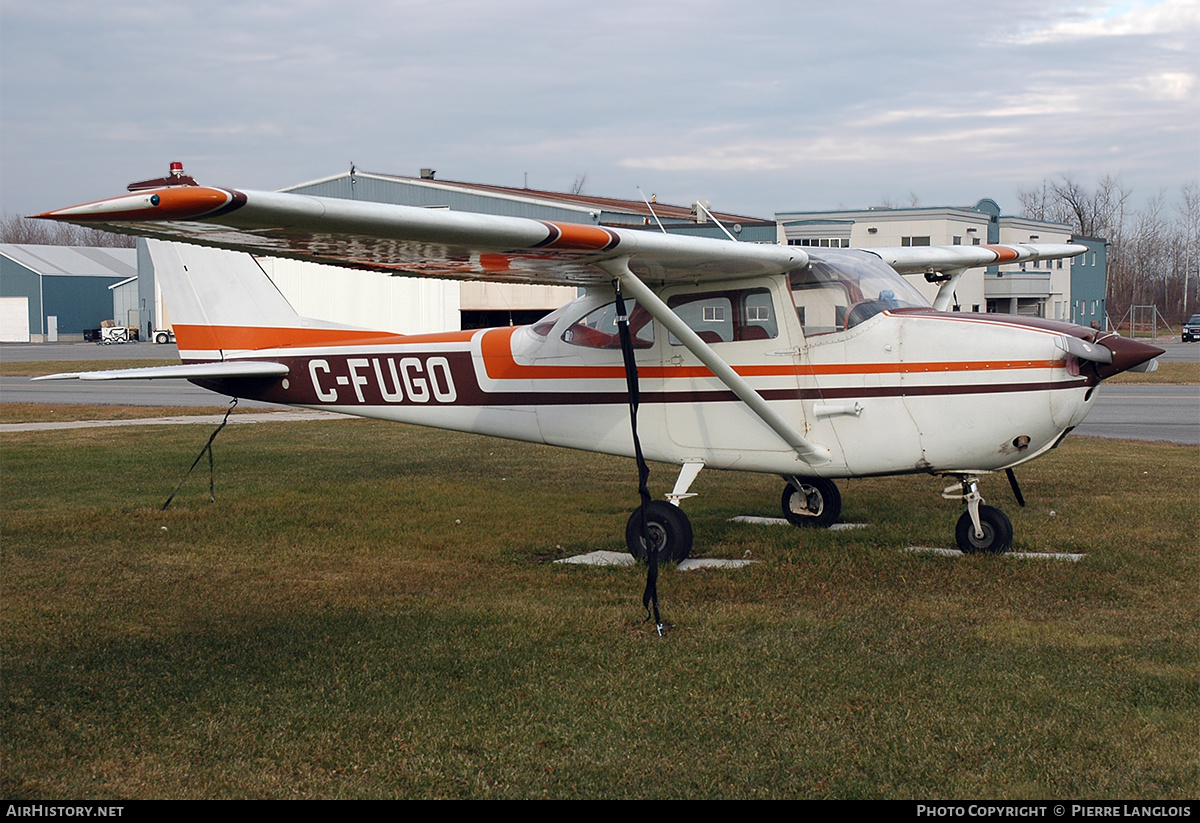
x: 419, y: 242
x: 949, y: 259
x: 946, y: 264
x: 192, y: 371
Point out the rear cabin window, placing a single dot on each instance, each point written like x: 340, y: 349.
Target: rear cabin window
x: 726, y: 316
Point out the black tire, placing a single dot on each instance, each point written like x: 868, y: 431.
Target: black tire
x: 997, y: 532
x: 817, y: 506
x: 161, y: 338
x: 669, y: 528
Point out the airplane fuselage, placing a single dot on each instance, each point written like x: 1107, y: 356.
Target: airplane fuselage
x: 901, y: 391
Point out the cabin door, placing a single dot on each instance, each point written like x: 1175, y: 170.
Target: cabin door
x: 745, y: 324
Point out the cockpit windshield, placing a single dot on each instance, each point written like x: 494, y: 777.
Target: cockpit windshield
x: 841, y: 288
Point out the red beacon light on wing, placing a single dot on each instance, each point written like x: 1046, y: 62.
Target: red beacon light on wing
x: 176, y: 177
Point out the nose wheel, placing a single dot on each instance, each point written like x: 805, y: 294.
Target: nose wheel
x: 996, y: 532
x: 981, y: 529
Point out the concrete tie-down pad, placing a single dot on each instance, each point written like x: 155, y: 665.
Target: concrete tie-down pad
x: 626, y: 559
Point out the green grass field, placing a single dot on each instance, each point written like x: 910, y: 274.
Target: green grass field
x: 370, y: 610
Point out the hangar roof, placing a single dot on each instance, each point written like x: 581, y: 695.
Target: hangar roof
x: 602, y: 209
x: 73, y: 261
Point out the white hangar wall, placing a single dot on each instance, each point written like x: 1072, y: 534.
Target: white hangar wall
x: 406, y: 305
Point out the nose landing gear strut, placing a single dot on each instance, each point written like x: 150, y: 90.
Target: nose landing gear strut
x: 981, y: 529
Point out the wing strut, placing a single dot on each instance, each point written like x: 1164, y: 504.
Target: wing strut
x: 811, y: 453
x: 949, y: 280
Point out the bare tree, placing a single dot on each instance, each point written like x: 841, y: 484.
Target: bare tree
x: 22, y: 230
x: 578, y: 184
x: 1153, y: 252
x: 1098, y: 213
x: 1043, y: 204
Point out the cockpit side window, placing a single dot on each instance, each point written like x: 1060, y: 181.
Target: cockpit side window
x: 838, y: 290
x: 598, y: 328
x: 727, y: 316
x: 543, y: 327
x: 821, y: 300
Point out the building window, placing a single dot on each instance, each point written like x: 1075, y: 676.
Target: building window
x: 758, y: 314
x: 726, y: 316
x: 822, y: 242
x: 957, y: 241
x: 914, y: 241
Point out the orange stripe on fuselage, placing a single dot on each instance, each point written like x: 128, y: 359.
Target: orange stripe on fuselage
x: 500, y: 364
x: 249, y: 338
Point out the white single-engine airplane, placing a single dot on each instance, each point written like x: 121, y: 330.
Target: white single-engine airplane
x: 811, y: 364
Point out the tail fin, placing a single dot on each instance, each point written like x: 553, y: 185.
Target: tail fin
x: 222, y: 302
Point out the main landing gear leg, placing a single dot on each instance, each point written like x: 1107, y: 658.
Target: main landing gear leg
x: 668, y: 527
x: 981, y: 529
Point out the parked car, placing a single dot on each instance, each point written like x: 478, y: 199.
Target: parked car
x: 1191, y: 329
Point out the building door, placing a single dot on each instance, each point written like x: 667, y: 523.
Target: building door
x: 14, y: 319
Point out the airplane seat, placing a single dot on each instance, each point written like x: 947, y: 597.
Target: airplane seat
x: 580, y: 335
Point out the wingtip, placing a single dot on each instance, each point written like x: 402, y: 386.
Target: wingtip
x: 177, y: 203
x: 61, y: 376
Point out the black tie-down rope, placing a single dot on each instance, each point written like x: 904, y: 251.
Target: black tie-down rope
x: 650, y: 595
x: 207, y: 448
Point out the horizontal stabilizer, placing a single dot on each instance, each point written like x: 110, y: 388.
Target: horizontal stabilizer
x: 191, y: 371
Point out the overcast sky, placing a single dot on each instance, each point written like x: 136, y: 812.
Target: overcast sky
x: 756, y: 107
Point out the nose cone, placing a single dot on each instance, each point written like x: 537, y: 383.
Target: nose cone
x: 1126, y: 353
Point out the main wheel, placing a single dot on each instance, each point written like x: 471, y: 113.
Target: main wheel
x: 669, y: 530
x: 817, y: 504
x: 997, y: 532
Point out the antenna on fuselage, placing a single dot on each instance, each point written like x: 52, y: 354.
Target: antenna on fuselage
x: 700, y: 205
x: 652, y: 214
